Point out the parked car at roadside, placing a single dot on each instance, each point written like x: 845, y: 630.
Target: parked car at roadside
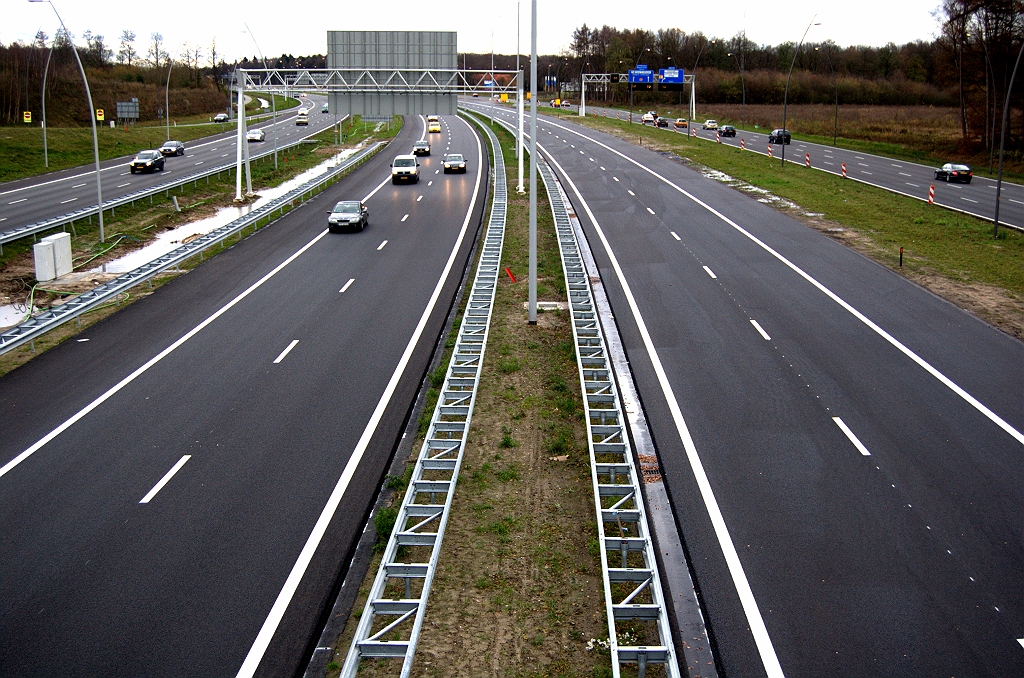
x: 172, y: 148
x: 779, y: 136
x: 954, y: 172
x: 147, y: 161
x: 727, y: 131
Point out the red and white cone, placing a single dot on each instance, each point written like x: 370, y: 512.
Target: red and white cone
x: 931, y: 194
x: 770, y: 151
x: 844, y: 170
x: 807, y: 159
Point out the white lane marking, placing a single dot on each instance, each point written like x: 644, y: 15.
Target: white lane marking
x: 895, y: 343
x: 224, y: 156
x: 123, y: 185
x: 213, y: 149
x: 124, y: 174
x: 436, y: 171
x: 616, y: 178
x: 1016, y: 201
x: 904, y: 174
x: 865, y: 172
x: 78, y: 185
x: 4, y: 219
x: 381, y: 246
x: 190, y: 155
x: 405, y: 217
x: 849, y: 434
x: 603, y: 169
x: 418, y: 198
x: 68, y: 200
x: 286, y: 351
x: 858, y: 157
x: 829, y: 163
x: 200, y: 162
x: 347, y: 285
x: 674, y: 235
x: 711, y: 273
x: 591, y: 160
x: 969, y: 200
x: 15, y: 202
x: 910, y: 184
x: 650, y: 210
x: 1019, y: 640
x: 758, y: 327
x: 266, y: 634
x: 895, y: 165
x: 430, y: 183
x: 582, y: 153
x: 863, y: 164
x: 163, y: 481
x: 630, y: 192
x: 764, y: 644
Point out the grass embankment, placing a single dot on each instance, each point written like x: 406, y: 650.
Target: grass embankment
x: 518, y: 589
x: 952, y: 254
x: 130, y: 228
x: 928, y: 135
x: 22, y: 147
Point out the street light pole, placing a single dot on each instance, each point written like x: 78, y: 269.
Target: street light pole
x: 835, y: 84
x: 273, y: 99
x: 693, y: 85
x: 785, y: 98
x: 1002, y: 141
x: 167, y: 101
x: 532, y: 293
x: 743, y: 88
x: 92, y: 117
x: 46, y: 71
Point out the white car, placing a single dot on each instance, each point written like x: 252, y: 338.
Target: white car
x: 405, y: 168
x: 710, y: 124
x: 255, y: 135
x: 649, y: 117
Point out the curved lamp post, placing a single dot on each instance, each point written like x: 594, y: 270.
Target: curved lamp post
x: 167, y: 101
x: 92, y: 117
x: 1002, y: 141
x: 743, y: 89
x: 273, y: 99
x: 835, y: 84
x: 785, y: 98
x: 693, y: 75
x: 46, y: 71
x: 635, y: 62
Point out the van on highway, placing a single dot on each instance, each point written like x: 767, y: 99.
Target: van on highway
x: 302, y: 117
x: 405, y: 168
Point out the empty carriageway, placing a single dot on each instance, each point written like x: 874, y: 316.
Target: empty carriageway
x: 840, y: 445
x: 181, y: 483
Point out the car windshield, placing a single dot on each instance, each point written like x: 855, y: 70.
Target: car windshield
x: 421, y: 144
x: 455, y: 157
x: 961, y: 168
x: 347, y: 208
x: 148, y: 155
x: 405, y: 162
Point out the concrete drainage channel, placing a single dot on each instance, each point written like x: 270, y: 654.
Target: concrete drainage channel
x: 396, y: 603
x: 38, y: 325
x: 614, y: 419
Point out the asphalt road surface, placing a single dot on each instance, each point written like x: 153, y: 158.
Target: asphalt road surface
x: 977, y: 198
x: 169, y: 474
x: 28, y: 201
x: 842, y: 448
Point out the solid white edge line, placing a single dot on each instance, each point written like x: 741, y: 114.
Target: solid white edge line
x: 381, y: 246
x: 286, y: 351
x: 757, y: 326
x: 946, y: 381
x: 347, y: 285
x: 849, y: 434
x: 291, y: 584
x: 710, y: 272
x: 757, y: 627
x: 163, y: 481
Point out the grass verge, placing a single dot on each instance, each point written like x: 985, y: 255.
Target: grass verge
x: 518, y: 589
x: 952, y: 254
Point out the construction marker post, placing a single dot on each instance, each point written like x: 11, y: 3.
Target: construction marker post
x: 743, y: 144
x: 931, y: 194
x: 807, y: 159
x: 901, y: 257
x: 770, y: 151
x: 844, y: 170
x: 693, y: 132
x: 718, y: 137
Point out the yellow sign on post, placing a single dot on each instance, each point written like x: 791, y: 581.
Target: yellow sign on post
x: 99, y: 114
x: 27, y: 116
x: 504, y: 96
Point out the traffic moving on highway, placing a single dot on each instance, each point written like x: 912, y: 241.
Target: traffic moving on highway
x: 842, y: 468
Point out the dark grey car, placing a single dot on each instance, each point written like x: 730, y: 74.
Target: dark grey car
x: 779, y: 136
x: 348, y: 214
x: 172, y: 148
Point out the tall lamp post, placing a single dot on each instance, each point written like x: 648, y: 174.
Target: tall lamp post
x: 835, y: 84
x: 743, y: 89
x: 635, y: 62
x: 1002, y: 140
x: 167, y: 100
x: 92, y: 118
x: 273, y: 99
x: 46, y: 71
x: 785, y: 97
x: 693, y: 75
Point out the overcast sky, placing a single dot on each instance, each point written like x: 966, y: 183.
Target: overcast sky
x: 299, y: 28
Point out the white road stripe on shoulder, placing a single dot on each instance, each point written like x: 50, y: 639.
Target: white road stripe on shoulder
x: 286, y: 351
x: 163, y: 481
x: 849, y: 434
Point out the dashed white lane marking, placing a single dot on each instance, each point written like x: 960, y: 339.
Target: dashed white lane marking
x: 674, y: 235
x: 849, y: 434
x: 904, y: 174
x: 858, y: 157
x: 418, y: 198
x: 124, y: 174
x: 910, y: 184
x: 78, y: 185
x: 436, y: 171
x: 4, y: 219
x: 865, y: 172
x: 381, y: 246
x: 200, y: 162
x: 591, y: 160
x: 759, y: 329
x: 1016, y: 201
x: 405, y: 217
x: 163, y: 481
x: 711, y: 273
x: 123, y: 185
x: 224, y: 156
x: 15, y: 202
x: 863, y: 164
x: 347, y: 285
x: 430, y: 183
x: 630, y: 192
x: 1021, y: 641
x: 969, y: 200
x: 616, y: 178
x: 650, y: 210
x: 603, y: 169
x: 829, y: 163
x: 68, y: 200
x: 895, y: 165
x: 572, y: 145
x: 286, y: 351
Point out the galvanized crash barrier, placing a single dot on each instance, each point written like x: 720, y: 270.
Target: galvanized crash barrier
x: 390, y: 624
x: 40, y: 324
x: 69, y: 218
x: 634, y: 600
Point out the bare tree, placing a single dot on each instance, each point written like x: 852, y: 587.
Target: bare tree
x: 40, y: 39
x: 127, y: 53
x: 156, y: 49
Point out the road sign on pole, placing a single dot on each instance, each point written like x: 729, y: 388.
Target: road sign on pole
x: 99, y: 115
x: 26, y: 116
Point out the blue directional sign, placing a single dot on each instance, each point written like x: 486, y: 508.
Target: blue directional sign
x: 641, y: 75
x: 671, y: 76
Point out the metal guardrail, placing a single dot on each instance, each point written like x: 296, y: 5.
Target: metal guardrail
x: 130, y: 198
x: 40, y: 324
x: 419, y: 529
x: 632, y: 583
